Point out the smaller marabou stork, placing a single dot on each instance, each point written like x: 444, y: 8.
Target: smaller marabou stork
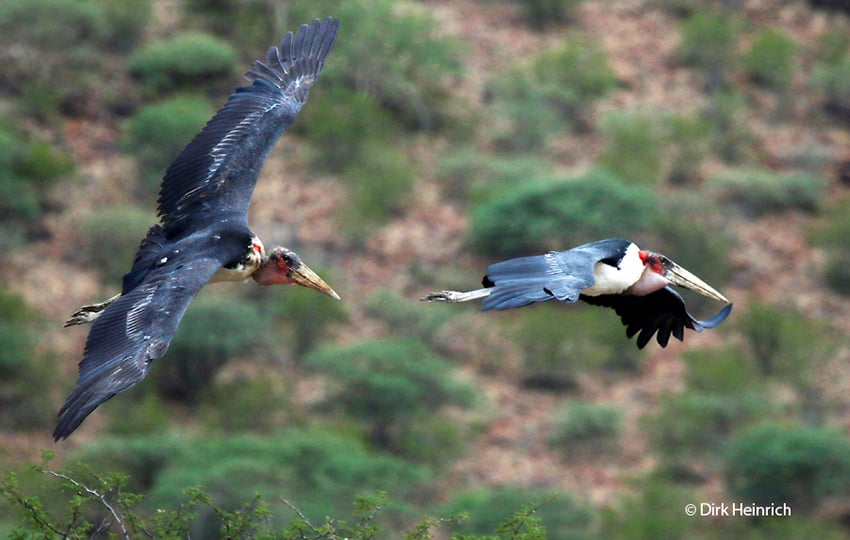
x: 613, y: 273
x: 203, y: 234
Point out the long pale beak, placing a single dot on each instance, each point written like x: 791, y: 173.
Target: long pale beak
x: 304, y: 276
x: 681, y: 277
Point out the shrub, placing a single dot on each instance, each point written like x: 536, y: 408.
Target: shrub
x: 559, y: 343
x: 24, y: 371
x: 244, y: 404
x: 731, y: 139
x: 694, y: 425
x: 387, y: 384
x: 181, y: 61
x: 770, y: 60
x: 28, y: 169
x: 540, y: 14
x: 798, y: 466
x: 833, y: 82
x: 632, y: 147
x: 53, y: 53
x: 112, y: 237
x: 558, y: 87
x: 784, y: 342
x: 558, y: 214
x: 720, y: 371
x: 159, y: 132
x: 126, y: 22
x: 589, y: 428
x: 470, y: 174
x: 837, y: 272
x: 396, y: 56
x: 653, y: 511
x: 761, y: 192
x: 214, y: 330
x: 404, y: 318
x: 563, y: 516
x: 707, y: 43
x: 318, y: 471
x: 687, y: 143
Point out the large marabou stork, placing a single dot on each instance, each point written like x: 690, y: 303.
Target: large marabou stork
x: 203, y: 235
x: 613, y: 273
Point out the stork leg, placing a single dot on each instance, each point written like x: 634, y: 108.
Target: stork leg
x: 89, y: 313
x: 453, y: 297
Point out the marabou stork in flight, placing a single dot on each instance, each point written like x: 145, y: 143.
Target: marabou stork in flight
x: 203, y: 235
x: 613, y: 273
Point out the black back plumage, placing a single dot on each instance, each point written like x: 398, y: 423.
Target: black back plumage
x: 216, y: 173
x: 662, y: 313
x: 203, y: 209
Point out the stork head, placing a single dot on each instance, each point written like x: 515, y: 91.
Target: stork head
x: 284, y: 267
x: 660, y: 271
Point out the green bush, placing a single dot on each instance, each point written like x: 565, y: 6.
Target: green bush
x: 397, y: 56
x: 707, y: 43
x: 692, y: 425
x: 404, y: 318
x: 214, y: 330
x: 833, y: 46
x: 837, y: 272
x: 784, y: 342
x: 57, y: 55
x: 720, y: 371
x: 317, y: 471
x: 540, y: 215
x: 244, y: 404
x: 732, y: 140
x: 770, y: 60
x: 24, y: 371
x: 654, y: 510
x: 557, y: 88
x: 794, y: 465
x: 182, y: 61
x: 687, y: 143
x: 540, y: 14
x: 112, y: 237
x: 470, y: 174
x: 563, y: 516
x: 588, y: 428
x: 388, y: 384
x: 559, y: 343
x: 833, y: 82
x: 29, y: 168
x: 761, y: 192
x: 159, y: 132
x: 126, y: 22
x: 633, y: 148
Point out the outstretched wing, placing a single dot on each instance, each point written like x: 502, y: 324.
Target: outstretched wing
x: 132, y: 332
x: 217, y: 171
x: 663, y: 312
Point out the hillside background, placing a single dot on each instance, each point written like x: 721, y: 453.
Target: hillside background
x: 445, y: 135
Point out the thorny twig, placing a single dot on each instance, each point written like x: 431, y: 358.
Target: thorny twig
x: 96, y: 494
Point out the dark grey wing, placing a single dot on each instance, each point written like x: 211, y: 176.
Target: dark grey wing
x: 132, y: 332
x: 556, y: 275
x: 218, y: 170
x: 662, y: 312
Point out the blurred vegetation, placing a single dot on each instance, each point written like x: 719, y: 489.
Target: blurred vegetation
x: 584, y: 428
x: 556, y: 214
x: 708, y: 41
x: 831, y: 234
x: 541, y: 14
x: 390, y: 385
x: 762, y: 192
x: 633, y: 146
x: 182, y: 61
x: 769, y: 61
x: 564, y: 517
x: 552, y: 93
x: 24, y: 369
x: 796, y: 465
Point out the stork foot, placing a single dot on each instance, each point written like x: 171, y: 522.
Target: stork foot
x: 89, y: 313
x: 454, y: 297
